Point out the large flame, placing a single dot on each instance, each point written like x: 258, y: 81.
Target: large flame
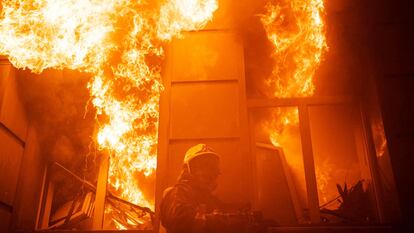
x: 118, y: 43
x: 296, y: 31
x: 184, y: 15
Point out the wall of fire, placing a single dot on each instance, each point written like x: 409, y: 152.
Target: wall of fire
x: 205, y: 82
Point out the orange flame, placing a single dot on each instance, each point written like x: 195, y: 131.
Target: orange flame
x: 184, y: 15
x: 114, y: 40
x: 296, y: 30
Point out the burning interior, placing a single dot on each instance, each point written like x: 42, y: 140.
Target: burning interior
x: 109, y: 94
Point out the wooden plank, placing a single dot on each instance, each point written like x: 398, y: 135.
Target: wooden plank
x: 98, y: 214
x: 309, y: 165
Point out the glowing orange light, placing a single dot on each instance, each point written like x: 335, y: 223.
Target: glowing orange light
x: 296, y: 30
x: 112, y: 40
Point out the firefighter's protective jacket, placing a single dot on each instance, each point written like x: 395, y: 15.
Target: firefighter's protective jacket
x: 184, y: 206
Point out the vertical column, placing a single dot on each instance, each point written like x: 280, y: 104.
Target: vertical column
x: 163, y: 138
x: 98, y: 214
x: 38, y: 224
x: 372, y: 165
x: 48, y: 204
x: 309, y: 165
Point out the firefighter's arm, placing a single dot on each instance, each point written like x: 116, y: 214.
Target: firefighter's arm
x: 179, y: 214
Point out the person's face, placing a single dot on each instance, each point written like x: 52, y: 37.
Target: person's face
x: 205, y: 171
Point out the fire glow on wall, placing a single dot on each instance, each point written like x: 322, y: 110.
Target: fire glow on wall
x: 119, y: 42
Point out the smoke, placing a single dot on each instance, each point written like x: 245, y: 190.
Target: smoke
x: 56, y: 102
x: 114, y: 41
x: 246, y: 22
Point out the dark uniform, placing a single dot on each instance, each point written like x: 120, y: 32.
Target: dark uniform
x: 190, y: 207
x: 184, y: 206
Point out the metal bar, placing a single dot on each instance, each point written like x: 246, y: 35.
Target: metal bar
x: 98, y: 214
x: 48, y: 205
x: 309, y: 165
x: 285, y: 102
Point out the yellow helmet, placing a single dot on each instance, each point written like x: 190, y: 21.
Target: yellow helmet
x: 197, y: 151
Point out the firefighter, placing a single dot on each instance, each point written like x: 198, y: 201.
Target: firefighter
x: 185, y: 205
